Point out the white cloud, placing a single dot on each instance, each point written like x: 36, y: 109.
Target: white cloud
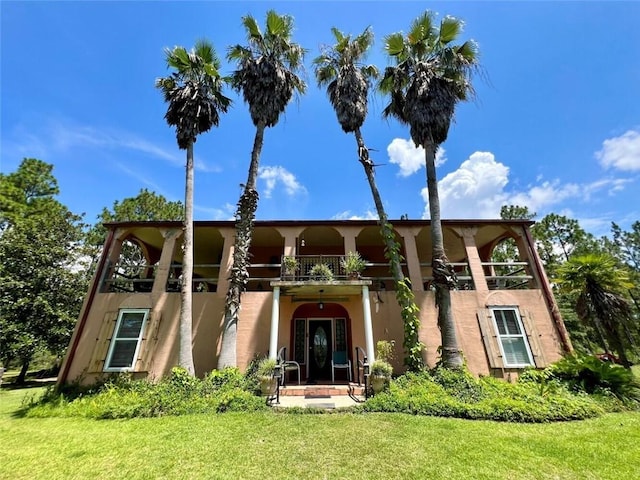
x: 63, y: 136
x: 622, y: 153
x: 348, y: 215
x: 277, y: 174
x: 478, y: 189
x: 475, y: 190
x: 227, y: 212
x: 409, y: 158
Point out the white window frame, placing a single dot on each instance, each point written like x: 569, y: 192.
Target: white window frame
x: 522, y: 335
x: 115, y: 339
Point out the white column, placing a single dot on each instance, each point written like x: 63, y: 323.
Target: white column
x: 275, y: 321
x: 368, y: 329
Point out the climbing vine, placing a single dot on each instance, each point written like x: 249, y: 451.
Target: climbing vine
x: 413, y: 347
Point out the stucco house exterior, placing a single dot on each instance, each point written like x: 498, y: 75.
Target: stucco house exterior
x: 506, y: 316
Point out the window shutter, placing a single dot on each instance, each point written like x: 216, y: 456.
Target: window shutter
x: 149, y: 342
x: 101, y: 347
x: 490, y: 338
x: 534, y: 339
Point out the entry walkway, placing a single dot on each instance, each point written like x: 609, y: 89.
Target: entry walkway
x: 320, y: 396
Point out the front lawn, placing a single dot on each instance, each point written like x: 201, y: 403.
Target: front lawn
x: 289, y: 446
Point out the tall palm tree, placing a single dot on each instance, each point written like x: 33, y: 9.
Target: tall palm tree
x: 595, y: 281
x: 193, y: 92
x: 430, y: 76
x: 341, y: 69
x: 267, y: 76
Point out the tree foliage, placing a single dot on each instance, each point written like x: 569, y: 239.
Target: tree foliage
x: 430, y: 75
x: 193, y: 92
x: 268, y: 76
x: 41, y: 276
x: 596, y: 283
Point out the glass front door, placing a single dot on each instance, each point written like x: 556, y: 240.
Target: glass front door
x: 320, y: 349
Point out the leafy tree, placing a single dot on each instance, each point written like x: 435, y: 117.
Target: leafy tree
x: 507, y: 250
x: 558, y: 237
x: 27, y: 190
x: 145, y: 206
x: 267, y: 76
x: 627, y: 245
x: 42, y: 287
x: 193, y: 92
x: 347, y: 79
x: 430, y: 76
x: 514, y: 212
x: 595, y: 281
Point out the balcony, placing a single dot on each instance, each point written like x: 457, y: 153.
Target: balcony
x: 127, y: 278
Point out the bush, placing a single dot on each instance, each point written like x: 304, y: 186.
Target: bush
x: 447, y: 393
x: 177, y: 394
x: 589, y: 374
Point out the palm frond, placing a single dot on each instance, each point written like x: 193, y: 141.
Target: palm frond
x: 193, y: 91
x: 268, y: 67
x: 450, y: 29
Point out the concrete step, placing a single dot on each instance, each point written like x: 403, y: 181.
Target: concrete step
x: 320, y: 391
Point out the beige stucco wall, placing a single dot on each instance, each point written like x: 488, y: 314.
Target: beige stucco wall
x: 254, y: 327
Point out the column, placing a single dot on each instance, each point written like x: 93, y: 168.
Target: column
x: 413, y: 261
x: 166, y: 258
x: 368, y: 328
x: 473, y: 257
x: 275, y: 322
x: 226, y: 262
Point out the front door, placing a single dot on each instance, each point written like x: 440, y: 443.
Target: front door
x: 320, y: 349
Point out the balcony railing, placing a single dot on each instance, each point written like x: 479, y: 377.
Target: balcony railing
x: 304, y: 269
x: 507, y: 275
x: 140, y: 278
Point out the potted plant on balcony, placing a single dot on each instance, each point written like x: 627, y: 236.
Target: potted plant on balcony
x: 290, y: 266
x: 265, y: 371
x: 321, y: 271
x: 353, y: 265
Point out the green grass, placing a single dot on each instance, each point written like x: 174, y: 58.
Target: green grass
x: 271, y: 445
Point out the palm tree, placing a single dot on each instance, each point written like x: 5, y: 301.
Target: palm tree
x: 347, y: 80
x: 595, y: 282
x: 430, y: 76
x: 267, y: 76
x: 194, y: 94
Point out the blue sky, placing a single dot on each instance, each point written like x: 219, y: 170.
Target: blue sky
x: 555, y: 125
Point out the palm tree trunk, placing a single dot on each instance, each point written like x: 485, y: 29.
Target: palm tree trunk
x: 245, y: 215
x: 443, y: 275
x: 185, y: 359
x: 404, y: 295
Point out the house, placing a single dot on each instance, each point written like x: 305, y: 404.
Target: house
x: 505, y: 313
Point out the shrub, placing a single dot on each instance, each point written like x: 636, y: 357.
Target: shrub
x: 589, y: 374
x: 447, y: 393
x: 177, y: 394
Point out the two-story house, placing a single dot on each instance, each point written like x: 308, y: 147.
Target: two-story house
x: 505, y: 314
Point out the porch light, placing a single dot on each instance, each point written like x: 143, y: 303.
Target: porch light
x: 320, y: 305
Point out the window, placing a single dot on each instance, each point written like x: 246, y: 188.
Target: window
x: 511, y: 337
x: 341, y: 335
x: 125, y: 342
